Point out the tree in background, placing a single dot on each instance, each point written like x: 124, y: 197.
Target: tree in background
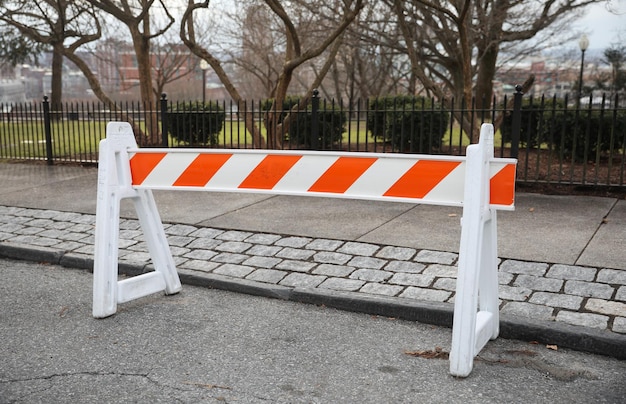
x: 60, y: 25
x: 297, y: 49
x: 454, y: 44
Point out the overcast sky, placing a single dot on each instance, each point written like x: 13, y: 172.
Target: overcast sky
x: 601, y: 26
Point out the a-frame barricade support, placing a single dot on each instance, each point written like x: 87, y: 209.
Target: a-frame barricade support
x: 479, y: 183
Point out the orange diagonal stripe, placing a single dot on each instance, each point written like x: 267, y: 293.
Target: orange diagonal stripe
x: 421, y: 178
x: 142, y: 164
x: 502, y: 186
x: 269, y: 171
x: 342, y: 174
x: 201, y: 170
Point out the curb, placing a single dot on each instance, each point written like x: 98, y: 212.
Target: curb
x: 441, y: 314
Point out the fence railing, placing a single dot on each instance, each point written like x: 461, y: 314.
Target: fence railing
x: 555, y: 140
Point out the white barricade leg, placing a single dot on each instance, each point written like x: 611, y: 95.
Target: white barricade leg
x: 477, y: 269
x: 114, y: 184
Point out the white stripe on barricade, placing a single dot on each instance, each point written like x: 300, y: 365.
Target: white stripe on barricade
x: 480, y: 183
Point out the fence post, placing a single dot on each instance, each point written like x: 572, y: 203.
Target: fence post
x: 517, y: 121
x: 164, y: 117
x: 315, y: 124
x: 47, y: 130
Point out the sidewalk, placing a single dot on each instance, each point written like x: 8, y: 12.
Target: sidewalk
x: 562, y: 270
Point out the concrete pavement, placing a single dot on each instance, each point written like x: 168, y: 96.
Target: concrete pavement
x: 211, y: 346
x: 562, y: 270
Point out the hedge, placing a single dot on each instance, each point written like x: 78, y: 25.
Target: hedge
x: 196, y: 123
x: 413, y: 124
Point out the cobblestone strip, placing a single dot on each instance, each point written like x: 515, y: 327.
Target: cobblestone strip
x: 583, y: 296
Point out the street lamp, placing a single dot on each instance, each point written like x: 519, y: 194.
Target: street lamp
x: 583, y: 44
x: 204, y: 66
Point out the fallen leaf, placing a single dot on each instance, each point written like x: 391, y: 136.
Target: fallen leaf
x: 64, y: 311
x: 605, y: 220
x: 553, y: 347
x: 452, y: 214
x: 531, y: 209
x: 438, y: 353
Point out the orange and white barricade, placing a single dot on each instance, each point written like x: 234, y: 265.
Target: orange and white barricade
x: 480, y: 183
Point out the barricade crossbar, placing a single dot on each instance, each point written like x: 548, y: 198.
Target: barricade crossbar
x: 480, y: 183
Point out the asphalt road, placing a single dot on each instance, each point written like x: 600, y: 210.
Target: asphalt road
x: 205, y: 345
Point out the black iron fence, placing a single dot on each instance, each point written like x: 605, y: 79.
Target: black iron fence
x: 556, y: 141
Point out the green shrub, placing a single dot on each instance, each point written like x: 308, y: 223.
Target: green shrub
x: 331, y: 120
x: 535, y: 116
x: 585, y: 135
x: 196, y: 123
x: 413, y: 124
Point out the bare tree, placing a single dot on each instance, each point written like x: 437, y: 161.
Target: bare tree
x: 296, y: 52
x: 452, y: 44
x: 62, y: 25
x: 137, y: 17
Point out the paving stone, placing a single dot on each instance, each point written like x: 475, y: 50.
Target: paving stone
x: 606, y: 307
x: 29, y: 231
x: 294, y: 242
x: 350, y: 285
x: 44, y: 214
x: 68, y: 245
x: 619, y: 325
x: 299, y: 280
x: 408, y: 279
x: 297, y: 266
x: 88, y: 249
x: 180, y: 230
x: 367, y: 262
x: 206, y: 232
x: 583, y: 319
x: 557, y: 300
x: 233, y: 246
x: 66, y: 216
x: 295, y: 253
x: 60, y: 225
x: 138, y: 246
x: 130, y: 233
x: 236, y: 271
x: 135, y: 257
x: 333, y: 270
x: 12, y: 227
x: 404, y: 266
x: 515, y: 293
x: 445, y: 284
x: 396, y: 253
x: 34, y: 240
x: 264, y: 250
x: 128, y: 224
x: 178, y: 251
x: 621, y: 294
x: 53, y: 233
x: 264, y: 239
x: 529, y: 310
x: 233, y: 235
x: 431, y: 295
x: 436, y: 257
x: 525, y: 268
x: 572, y: 272
x: 81, y: 228
x: 5, y: 236
x: 614, y: 276
x: 40, y: 223
x: 267, y: 275
x: 179, y: 241
x: 538, y: 283
x: 262, y: 262
x: 441, y: 271
x: 355, y: 248
x: 504, y: 278
x: 230, y: 258
x: 329, y: 257
x: 589, y: 289
x: 204, y: 243
x: 378, y: 289
x: 370, y: 275
x: 200, y: 265
x: 322, y: 244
